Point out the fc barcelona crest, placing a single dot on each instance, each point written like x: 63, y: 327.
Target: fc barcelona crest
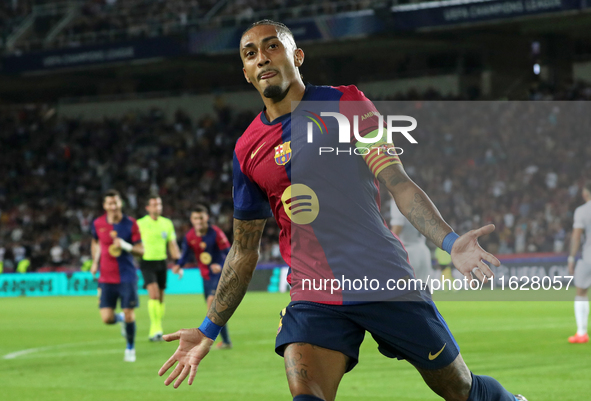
x: 283, y: 153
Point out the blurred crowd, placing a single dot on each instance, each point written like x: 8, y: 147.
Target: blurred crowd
x: 519, y: 165
x: 55, y: 170
x: 516, y: 164
x: 118, y: 19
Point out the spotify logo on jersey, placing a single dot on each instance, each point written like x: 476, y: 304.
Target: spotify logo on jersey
x: 300, y: 203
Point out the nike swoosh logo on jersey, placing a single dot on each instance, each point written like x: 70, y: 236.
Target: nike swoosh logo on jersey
x: 431, y: 357
x: 256, y: 151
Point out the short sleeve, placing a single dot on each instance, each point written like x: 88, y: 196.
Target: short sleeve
x: 184, y: 252
x: 250, y: 203
x: 135, y: 233
x: 93, y: 230
x: 221, y: 239
x: 578, y: 219
x: 378, y: 153
x: 355, y: 103
x: 396, y: 216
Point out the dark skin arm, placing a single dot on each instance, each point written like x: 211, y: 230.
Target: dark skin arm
x: 238, y: 269
x: 236, y: 275
x: 416, y: 206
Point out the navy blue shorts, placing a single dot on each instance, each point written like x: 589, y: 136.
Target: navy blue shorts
x: 209, y: 286
x: 411, y: 329
x: 110, y: 293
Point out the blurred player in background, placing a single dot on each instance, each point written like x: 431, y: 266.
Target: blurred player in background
x: 116, y: 238
x: 157, y: 236
x: 210, y: 246
x: 582, y: 271
x: 320, y: 340
x: 414, y: 242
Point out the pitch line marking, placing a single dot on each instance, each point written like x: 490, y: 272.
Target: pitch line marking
x: 14, y: 355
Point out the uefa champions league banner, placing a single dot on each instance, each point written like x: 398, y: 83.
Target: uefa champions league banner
x: 321, y: 28
x: 92, y: 55
x: 445, y: 13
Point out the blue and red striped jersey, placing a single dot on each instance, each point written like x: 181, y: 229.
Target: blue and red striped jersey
x: 122, y: 268
x: 209, y: 248
x: 326, y: 204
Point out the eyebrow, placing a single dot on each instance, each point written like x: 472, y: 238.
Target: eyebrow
x: 250, y: 44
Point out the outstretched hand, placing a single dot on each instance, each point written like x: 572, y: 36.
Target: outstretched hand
x: 467, y: 255
x: 193, y: 346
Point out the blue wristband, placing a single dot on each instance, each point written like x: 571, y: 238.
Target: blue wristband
x: 448, y: 242
x: 210, y: 329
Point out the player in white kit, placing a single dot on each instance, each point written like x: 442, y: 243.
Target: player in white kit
x: 419, y: 255
x: 582, y: 271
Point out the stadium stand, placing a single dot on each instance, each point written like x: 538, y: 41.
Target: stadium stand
x: 12, y: 16
x: 117, y: 20
x: 79, y: 22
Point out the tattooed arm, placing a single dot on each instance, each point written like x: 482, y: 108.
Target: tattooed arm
x: 239, y: 266
x: 416, y: 206
x: 238, y: 269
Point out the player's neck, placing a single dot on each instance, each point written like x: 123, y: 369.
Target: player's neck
x: 201, y: 232
x: 114, y: 218
x: 277, y: 109
x: 154, y: 216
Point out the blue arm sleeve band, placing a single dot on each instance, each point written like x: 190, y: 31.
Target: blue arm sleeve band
x: 448, y: 242
x: 210, y: 329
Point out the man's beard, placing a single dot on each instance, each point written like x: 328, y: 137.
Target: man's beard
x: 275, y: 92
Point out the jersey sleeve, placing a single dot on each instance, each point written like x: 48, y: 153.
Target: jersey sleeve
x: 93, y: 230
x: 377, y: 152
x: 396, y: 216
x: 250, y: 203
x: 222, y: 244
x: 184, y: 253
x: 135, y: 233
x: 221, y: 239
x: 354, y: 103
x: 578, y: 219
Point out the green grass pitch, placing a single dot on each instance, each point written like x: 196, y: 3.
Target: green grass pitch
x: 61, y: 351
